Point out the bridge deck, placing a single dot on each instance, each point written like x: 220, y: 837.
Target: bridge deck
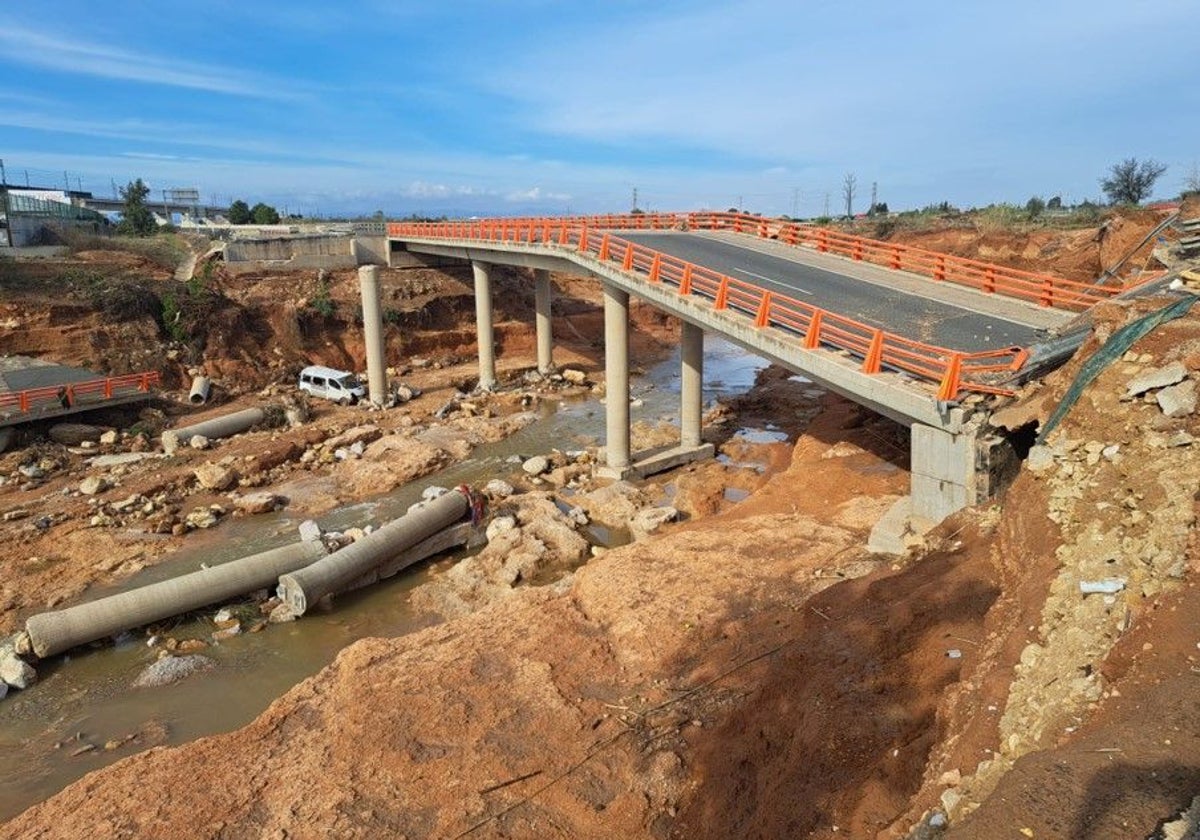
x: 968, y: 322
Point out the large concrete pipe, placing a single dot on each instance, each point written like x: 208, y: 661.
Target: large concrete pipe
x: 199, y: 393
x: 53, y: 632
x: 368, y: 282
x: 218, y: 427
x: 301, y: 589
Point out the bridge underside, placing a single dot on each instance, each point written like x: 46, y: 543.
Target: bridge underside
x: 945, y: 436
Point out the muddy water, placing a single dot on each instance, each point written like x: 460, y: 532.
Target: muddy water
x: 86, y: 698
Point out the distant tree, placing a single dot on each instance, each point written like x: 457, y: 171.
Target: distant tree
x: 264, y: 214
x: 136, y: 218
x: 1130, y: 181
x: 1191, y: 182
x: 1055, y: 203
x: 1035, y: 206
x: 638, y: 211
x: 849, y: 188
x: 879, y: 208
x: 239, y: 213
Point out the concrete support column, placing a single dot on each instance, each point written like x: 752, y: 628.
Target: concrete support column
x: 368, y: 281
x: 483, y: 325
x: 943, y: 472
x: 691, y: 385
x: 616, y: 376
x: 545, y: 341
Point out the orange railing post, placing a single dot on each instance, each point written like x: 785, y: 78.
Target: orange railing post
x: 685, y: 282
x: 812, y: 338
x: 948, y: 389
x: 939, y: 268
x: 722, y: 294
x: 763, y: 319
x: 604, y: 246
x: 583, y: 239
x: 873, y: 363
x: 655, y: 268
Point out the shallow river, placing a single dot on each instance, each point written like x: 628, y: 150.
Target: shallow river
x: 87, y: 696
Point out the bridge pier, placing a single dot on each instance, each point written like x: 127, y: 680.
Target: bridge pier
x: 545, y: 338
x: 368, y: 282
x: 691, y: 384
x: 616, y: 382
x: 483, y: 325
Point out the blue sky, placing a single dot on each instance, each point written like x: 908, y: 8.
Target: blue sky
x: 478, y: 107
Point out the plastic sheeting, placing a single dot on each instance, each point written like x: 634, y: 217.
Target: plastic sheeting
x: 1113, y: 349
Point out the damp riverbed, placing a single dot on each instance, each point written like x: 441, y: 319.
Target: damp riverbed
x: 86, y: 697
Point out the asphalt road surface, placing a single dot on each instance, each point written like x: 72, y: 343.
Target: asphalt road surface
x: 899, y: 312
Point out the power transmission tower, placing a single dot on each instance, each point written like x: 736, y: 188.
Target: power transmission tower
x: 635, y: 207
x: 874, y: 195
x: 826, y: 213
x: 795, y: 202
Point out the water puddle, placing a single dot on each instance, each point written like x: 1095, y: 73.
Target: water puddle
x: 87, y: 698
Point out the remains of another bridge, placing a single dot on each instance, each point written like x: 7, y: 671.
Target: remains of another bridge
x: 914, y: 384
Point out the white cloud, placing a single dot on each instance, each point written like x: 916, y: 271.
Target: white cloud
x: 536, y: 194
x: 53, y: 52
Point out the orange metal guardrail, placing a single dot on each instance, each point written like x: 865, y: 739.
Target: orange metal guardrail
x: 75, y: 394
x: 1043, y: 289
x: 815, y: 327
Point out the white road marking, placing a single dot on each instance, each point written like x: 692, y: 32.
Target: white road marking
x: 772, y: 280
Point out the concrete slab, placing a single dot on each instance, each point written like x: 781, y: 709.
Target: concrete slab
x: 654, y: 461
x: 898, y: 530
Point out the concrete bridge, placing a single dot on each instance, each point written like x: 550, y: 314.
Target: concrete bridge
x: 930, y: 340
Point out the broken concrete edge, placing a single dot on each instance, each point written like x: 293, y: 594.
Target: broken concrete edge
x: 656, y: 461
x: 898, y: 530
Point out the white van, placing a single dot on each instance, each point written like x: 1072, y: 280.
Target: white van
x: 329, y: 383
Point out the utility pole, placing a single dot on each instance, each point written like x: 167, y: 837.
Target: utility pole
x: 66, y: 182
x: 7, y: 214
x: 634, y: 206
x: 874, y: 195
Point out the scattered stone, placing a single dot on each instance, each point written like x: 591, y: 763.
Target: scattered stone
x: 172, y: 669
x: 1178, y: 400
x: 499, y: 525
x: 127, y: 503
x: 94, y: 484
x: 84, y: 750
x: 1108, y: 586
x: 215, y: 476
x: 31, y: 471
x: 1180, y: 438
x: 1040, y: 459
x: 649, y: 520
x: 575, y: 377
x: 199, y: 442
x: 14, y: 515
x: 1151, y: 379
x: 200, y: 518
x: 536, y: 465
x: 110, y: 437
x: 104, y: 462
x: 433, y: 492
x: 498, y: 488
x: 310, y: 531
x: 15, y: 671
x: 255, y: 503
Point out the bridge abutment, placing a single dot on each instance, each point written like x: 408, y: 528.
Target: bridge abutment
x: 483, y: 324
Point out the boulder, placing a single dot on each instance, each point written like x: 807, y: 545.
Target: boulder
x: 215, y: 476
x: 172, y: 669
x: 536, y: 465
x: 260, y: 502
x: 15, y: 671
x: 1151, y: 379
x: 1178, y: 400
x: 201, y: 518
x: 199, y: 442
x: 94, y: 484
x: 499, y: 525
x: 498, y: 488
x: 649, y: 520
x: 575, y: 377
x: 110, y: 437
